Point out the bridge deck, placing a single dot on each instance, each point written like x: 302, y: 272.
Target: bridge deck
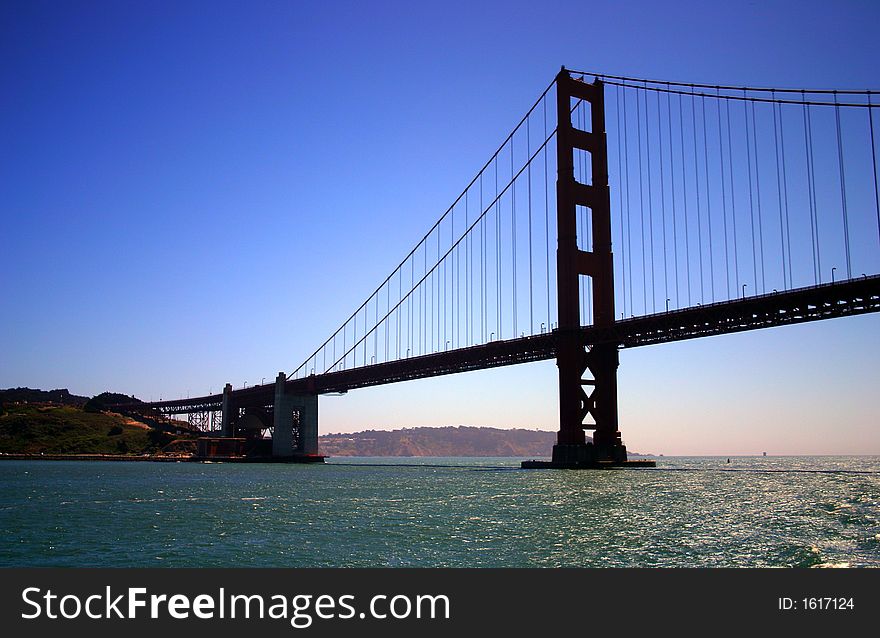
x: 841, y: 299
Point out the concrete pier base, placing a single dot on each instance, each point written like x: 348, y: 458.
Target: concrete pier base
x: 587, y: 457
x: 229, y: 412
x: 295, y: 433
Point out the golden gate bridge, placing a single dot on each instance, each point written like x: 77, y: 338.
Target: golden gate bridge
x: 619, y: 212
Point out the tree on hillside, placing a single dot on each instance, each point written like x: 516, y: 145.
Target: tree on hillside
x: 100, y: 403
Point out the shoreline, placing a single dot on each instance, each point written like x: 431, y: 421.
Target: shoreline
x: 313, y: 458
x: 21, y: 456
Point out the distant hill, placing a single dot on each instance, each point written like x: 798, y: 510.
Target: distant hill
x: 28, y: 395
x: 439, y: 441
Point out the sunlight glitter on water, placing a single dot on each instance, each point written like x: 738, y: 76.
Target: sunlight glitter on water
x: 763, y: 511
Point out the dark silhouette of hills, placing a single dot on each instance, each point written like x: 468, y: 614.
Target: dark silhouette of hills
x: 28, y: 395
x: 439, y: 441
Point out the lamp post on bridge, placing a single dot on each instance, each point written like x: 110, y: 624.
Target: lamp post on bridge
x: 832, y: 274
x: 744, y: 291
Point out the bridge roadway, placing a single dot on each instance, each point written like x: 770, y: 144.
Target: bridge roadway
x: 825, y: 301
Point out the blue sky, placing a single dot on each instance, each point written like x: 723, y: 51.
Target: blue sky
x: 197, y: 193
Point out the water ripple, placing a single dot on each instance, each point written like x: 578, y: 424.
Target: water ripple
x: 754, y: 512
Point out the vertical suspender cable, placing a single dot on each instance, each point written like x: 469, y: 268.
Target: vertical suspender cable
x: 423, y: 345
x: 483, y: 310
x: 842, y: 188
x: 814, y: 225
x: 620, y: 199
x: 387, y: 310
x: 779, y: 195
x: 546, y: 215
x: 708, y: 200
x: 650, y: 202
x: 376, y: 329
x: 628, y: 216
x: 687, y: 247
x: 672, y: 192
x: 785, y: 193
x: 723, y: 195
x: 758, y: 202
x: 513, y: 231
x: 699, y: 207
x: 485, y: 285
x: 497, y: 254
x: 662, y: 199
x: 732, y: 197
x: 470, y: 278
x: 445, y: 305
x: 467, y: 272
x: 437, y: 278
x: 453, y: 283
x: 412, y: 280
x: 641, y: 203
x: 751, y: 194
x: 874, y: 160
x: 529, y: 178
x: 470, y: 250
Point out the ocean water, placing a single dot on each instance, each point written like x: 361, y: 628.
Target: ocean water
x: 432, y: 512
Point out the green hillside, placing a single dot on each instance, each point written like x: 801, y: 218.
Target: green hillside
x: 29, y: 428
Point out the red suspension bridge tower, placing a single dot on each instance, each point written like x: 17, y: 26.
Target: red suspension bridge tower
x: 587, y: 373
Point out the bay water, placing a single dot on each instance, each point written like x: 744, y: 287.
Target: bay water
x: 442, y: 512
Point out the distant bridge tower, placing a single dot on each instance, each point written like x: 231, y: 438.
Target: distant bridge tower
x: 584, y: 403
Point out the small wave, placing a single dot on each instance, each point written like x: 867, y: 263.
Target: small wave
x: 471, y: 468
x: 793, y: 471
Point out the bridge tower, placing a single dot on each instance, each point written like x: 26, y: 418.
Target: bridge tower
x: 584, y: 403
